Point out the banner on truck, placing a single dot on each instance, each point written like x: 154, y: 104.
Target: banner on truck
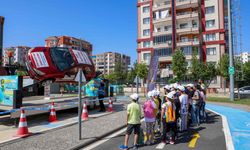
x: 7, y: 87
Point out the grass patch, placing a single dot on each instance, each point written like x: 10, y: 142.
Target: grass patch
x: 227, y: 100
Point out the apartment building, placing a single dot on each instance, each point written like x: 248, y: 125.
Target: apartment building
x: 106, y: 62
x: 19, y: 55
x: 69, y: 42
x: 188, y: 25
x: 244, y: 57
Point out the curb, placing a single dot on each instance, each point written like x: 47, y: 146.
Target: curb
x: 79, y: 146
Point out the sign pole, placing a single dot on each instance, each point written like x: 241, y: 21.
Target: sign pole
x: 230, y: 51
x: 80, y: 104
x: 137, y: 84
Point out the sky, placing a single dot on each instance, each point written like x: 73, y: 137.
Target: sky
x: 110, y: 25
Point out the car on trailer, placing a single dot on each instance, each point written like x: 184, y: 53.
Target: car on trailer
x: 47, y: 64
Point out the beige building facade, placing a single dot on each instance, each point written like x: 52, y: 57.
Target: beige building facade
x: 106, y: 62
x: 188, y: 25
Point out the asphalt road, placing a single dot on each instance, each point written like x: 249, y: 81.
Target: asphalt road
x: 211, y: 138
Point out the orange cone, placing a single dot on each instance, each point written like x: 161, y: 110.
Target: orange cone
x: 85, y: 112
x: 110, y: 107
x: 52, y: 116
x: 22, y: 127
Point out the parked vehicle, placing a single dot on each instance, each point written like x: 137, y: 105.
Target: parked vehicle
x: 46, y: 64
x: 243, y: 91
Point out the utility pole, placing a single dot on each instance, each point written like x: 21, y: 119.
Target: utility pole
x: 1, y: 36
x: 231, y: 66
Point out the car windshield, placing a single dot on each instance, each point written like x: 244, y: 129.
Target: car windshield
x: 62, y: 58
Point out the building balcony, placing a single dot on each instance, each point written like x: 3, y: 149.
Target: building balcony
x: 165, y: 58
x: 187, y: 16
x: 188, y: 30
x: 187, y: 43
x: 163, y: 45
x: 160, y: 4
x: 162, y: 33
x: 160, y: 20
x: 181, y: 4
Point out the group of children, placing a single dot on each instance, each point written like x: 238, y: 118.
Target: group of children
x: 179, y: 107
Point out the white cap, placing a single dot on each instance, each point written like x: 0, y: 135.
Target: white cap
x: 167, y: 87
x: 175, y: 85
x: 150, y: 93
x: 134, y: 96
x: 171, y: 95
x: 181, y: 88
x: 154, y: 93
x: 190, y: 85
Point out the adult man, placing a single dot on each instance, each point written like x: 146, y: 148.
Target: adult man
x: 196, y: 101
x: 101, y: 94
x: 184, y: 108
x: 133, y: 121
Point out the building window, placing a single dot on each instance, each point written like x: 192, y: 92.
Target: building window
x: 146, y: 9
x: 210, y: 23
x: 146, y: 56
x: 162, y: 39
x: 164, y: 52
x: 184, y: 25
x: 146, y: 32
x: 146, y: 44
x: 210, y: 10
x: 187, y: 50
x: 210, y: 37
x: 211, y: 51
x: 167, y: 28
x: 146, y: 20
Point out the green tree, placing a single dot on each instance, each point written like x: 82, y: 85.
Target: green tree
x: 131, y: 76
x: 120, y: 73
x: 141, y: 70
x: 111, y: 77
x: 223, y: 66
x: 195, y: 66
x: 207, y: 72
x: 246, y: 72
x: 179, y: 65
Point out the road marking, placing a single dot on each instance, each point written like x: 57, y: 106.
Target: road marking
x: 161, y: 145
x: 94, y: 145
x: 226, y: 130
x: 193, y: 141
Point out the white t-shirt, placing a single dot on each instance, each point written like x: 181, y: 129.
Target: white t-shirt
x: 184, y: 103
x: 203, y: 96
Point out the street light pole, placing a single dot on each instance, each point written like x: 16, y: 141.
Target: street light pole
x: 230, y: 50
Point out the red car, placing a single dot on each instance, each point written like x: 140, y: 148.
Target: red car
x: 46, y: 64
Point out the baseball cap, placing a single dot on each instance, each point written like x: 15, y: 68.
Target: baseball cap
x: 181, y: 88
x: 134, y: 96
x: 171, y: 95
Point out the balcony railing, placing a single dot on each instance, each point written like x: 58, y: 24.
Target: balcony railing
x: 158, y: 6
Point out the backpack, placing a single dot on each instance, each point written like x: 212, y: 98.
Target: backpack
x: 170, y: 113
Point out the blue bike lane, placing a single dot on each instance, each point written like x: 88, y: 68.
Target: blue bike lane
x: 239, y: 125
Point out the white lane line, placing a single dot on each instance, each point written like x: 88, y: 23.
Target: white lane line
x: 96, y: 144
x: 226, y: 130
x: 160, y: 146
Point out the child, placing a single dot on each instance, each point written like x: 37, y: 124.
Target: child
x: 168, y: 115
x: 149, y: 115
x: 133, y: 121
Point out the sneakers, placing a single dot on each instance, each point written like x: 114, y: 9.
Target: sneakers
x: 123, y: 147
x: 135, y: 147
x: 171, y: 142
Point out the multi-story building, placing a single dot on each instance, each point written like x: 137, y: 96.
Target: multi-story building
x: 244, y: 57
x: 69, y: 42
x: 19, y: 54
x: 188, y: 25
x: 106, y: 62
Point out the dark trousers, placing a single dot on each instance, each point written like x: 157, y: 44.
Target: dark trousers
x: 101, y: 102
x: 164, y: 131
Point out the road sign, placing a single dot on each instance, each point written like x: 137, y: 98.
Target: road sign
x: 78, y: 77
x: 231, y: 70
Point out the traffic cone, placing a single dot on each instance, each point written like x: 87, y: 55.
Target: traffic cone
x: 110, y: 107
x: 52, y: 116
x: 22, y: 127
x: 85, y: 112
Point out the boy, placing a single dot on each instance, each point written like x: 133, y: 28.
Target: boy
x: 133, y: 121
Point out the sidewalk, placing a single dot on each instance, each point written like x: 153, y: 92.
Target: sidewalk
x: 67, y: 138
